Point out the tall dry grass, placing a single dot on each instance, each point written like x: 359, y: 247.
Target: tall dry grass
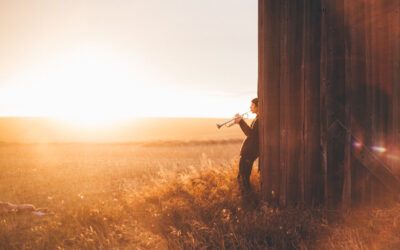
x: 161, y: 195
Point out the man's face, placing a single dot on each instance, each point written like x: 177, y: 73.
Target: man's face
x: 254, y: 108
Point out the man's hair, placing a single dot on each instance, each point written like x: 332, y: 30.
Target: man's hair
x: 255, y: 101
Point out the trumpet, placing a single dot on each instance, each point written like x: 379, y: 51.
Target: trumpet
x: 230, y: 122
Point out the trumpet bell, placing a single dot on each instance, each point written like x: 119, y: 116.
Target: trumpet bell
x: 219, y: 125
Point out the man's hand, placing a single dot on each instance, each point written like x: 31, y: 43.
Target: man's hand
x: 238, y: 118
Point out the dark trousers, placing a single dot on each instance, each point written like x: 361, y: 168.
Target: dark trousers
x: 245, y: 166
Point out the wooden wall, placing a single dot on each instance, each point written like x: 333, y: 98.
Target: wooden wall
x: 328, y: 77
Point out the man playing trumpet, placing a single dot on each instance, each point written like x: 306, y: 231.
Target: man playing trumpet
x: 250, y: 147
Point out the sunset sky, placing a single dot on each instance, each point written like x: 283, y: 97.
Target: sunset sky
x: 120, y: 58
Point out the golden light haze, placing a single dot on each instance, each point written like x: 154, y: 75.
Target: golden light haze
x: 56, y: 130
x: 100, y: 61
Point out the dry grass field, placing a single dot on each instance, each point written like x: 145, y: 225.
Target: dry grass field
x: 158, y: 195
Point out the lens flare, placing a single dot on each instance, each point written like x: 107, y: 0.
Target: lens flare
x: 374, y: 148
x: 378, y: 149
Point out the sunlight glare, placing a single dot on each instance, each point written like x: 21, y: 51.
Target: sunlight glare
x: 86, y: 86
x: 92, y: 86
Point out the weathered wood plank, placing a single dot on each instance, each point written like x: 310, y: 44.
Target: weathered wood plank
x: 394, y: 75
x: 261, y: 97
x: 349, y: 28
x: 395, y: 28
x: 295, y: 109
x: 313, y: 172
x: 284, y: 102
x: 368, y: 125
x: 270, y: 86
x: 335, y: 98
x: 359, y: 105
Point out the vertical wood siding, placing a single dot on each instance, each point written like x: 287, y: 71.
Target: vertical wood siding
x: 328, y: 77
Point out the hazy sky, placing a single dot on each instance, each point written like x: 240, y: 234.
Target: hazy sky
x: 127, y: 57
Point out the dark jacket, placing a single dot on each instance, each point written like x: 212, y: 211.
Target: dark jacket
x: 250, y: 146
